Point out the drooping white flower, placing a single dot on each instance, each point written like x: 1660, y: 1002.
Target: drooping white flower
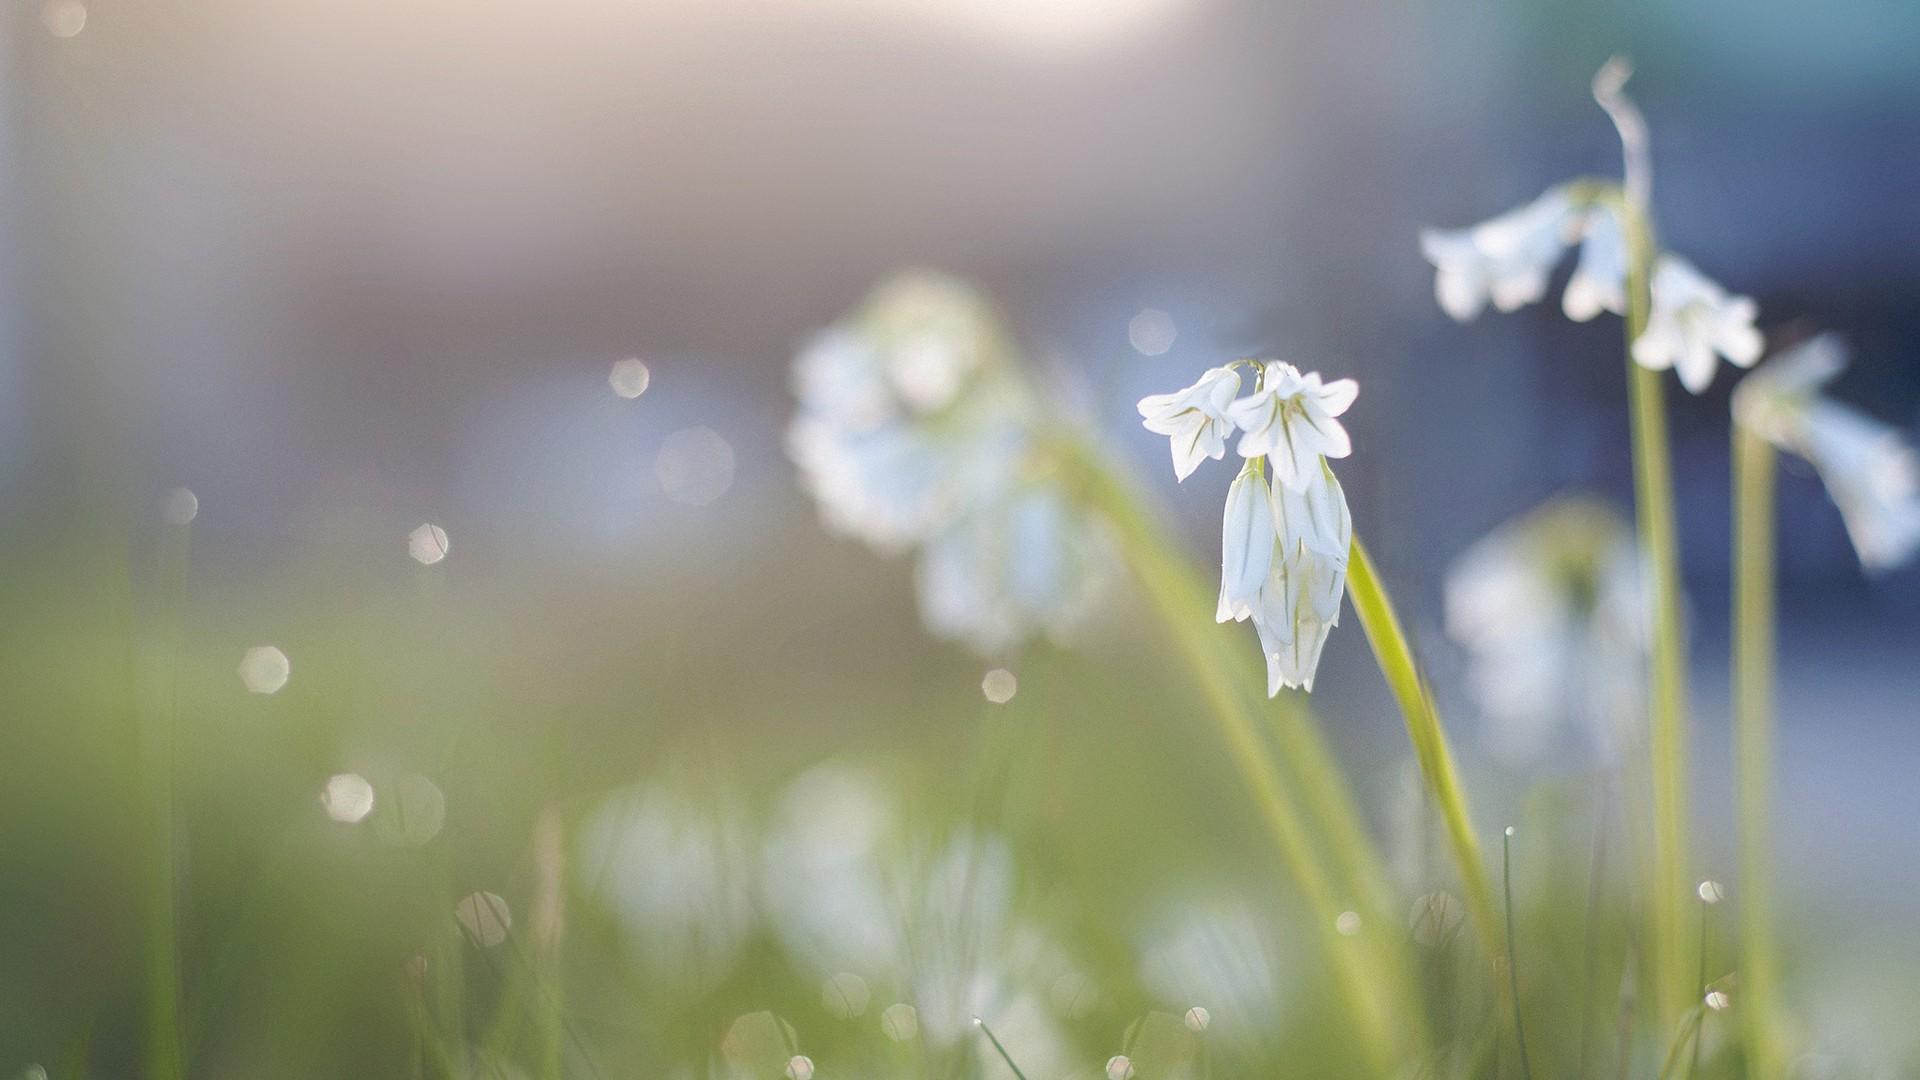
x: 1872, y: 474
x: 1247, y: 542
x: 1194, y: 419
x: 1295, y: 619
x: 1599, y: 281
x: 1549, y: 610
x: 1290, y: 420
x: 1506, y: 259
x: 1030, y: 563
x: 1693, y: 320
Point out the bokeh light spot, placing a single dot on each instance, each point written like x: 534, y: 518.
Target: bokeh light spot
x: 348, y: 798
x: 485, y: 917
x: 845, y: 995
x: 1348, y: 923
x: 427, y: 544
x: 180, y: 507
x: 694, y: 466
x: 999, y: 686
x: 1152, y: 332
x: 900, y: 1021
x: 264, y: 669
x: 630, y: 377
x: 412, y: 812
x: 64, y: 18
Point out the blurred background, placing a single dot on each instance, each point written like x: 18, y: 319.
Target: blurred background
x: 341, y: 268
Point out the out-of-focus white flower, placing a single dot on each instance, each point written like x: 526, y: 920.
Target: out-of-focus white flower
x: 1028, y: 563
x: 1693, y: 320
x: 1290, y: 420
x: 1194, y: 419
x: 1220, y: 952
x: 915, y: 429
x: 1599, y: 281
x: 1872, y: 474
x: 1548, y: 607
x: 1507, y: 259
x: 674, y: 866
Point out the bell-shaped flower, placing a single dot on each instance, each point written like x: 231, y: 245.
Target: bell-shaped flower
x: 1872, y: 474
x: 1247, y: 542
x: 1194, y: 419
x: 1599, y: 281
x: 1290, y: 420
x: 1507, y: 259
x: 1693, y: 320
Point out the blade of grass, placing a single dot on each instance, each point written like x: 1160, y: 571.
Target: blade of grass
x: 1513, y: 951
x: 1424, y: 730
x: 1753, y: 650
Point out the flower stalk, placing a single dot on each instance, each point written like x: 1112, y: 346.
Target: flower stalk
x: 1753, y: 651
x: 1654, y: 511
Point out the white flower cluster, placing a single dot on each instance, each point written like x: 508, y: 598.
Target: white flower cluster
x: 1548, y: 608
x: 1872, y: 473
x: 916, y: 430
x: 1510, y: 259
x: 1284, y: 541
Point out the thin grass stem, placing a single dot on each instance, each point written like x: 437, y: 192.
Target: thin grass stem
x: 1004, y: 1056
x: 1513, y: 951
x: 1753, y: 652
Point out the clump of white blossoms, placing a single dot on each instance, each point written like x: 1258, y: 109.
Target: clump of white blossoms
x: 1872, y: 474
x: 1548, y: 608
x: 1510, y: 260
x: 918, y: 431
x: 1286, y: 533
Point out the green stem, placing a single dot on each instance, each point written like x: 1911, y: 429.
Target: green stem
x: 1374, y: 983
x: 1424, y: 730
x: 164, y: 1054
x: 1653, y: 499
x: 1667, y: 742
x: 1004, y: 1056
x: 1753, y: 652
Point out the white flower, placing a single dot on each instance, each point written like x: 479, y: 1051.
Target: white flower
x: 1290, y: 421
x: 1872, y: 474
x: 1548, y: 608
x: 1301, y: 604
x: 1599, y: 281
x: 1194, y: 419
x: 1692, y: 320
x: 915, y: 430
x: 1507, y: 259
x: 1247, y: 542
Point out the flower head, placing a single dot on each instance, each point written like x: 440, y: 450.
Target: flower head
x: 1599, y: 281
x: 1290, y: 419
x: 1872, y: 474
x: 916, y: 430
x: 1548, y: 609
x: 1507, y: 259
x: 1692, y: 321
x: 1194, y: 419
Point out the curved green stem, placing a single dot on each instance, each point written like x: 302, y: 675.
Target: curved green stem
x: 1753, y: 651
x: 1424, y: 730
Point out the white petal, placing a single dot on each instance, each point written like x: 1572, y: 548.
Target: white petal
x: 1338, y: 396
x: 1247, y: 540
